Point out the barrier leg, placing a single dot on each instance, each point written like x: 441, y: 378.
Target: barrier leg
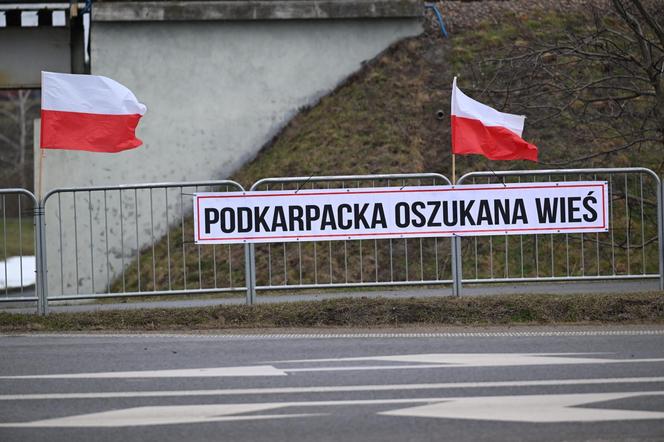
x: 250, y: 272
x: 40, y: 255
x: 457, y: 273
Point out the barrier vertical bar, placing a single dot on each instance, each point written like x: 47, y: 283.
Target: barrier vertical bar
x: 457, y: 272
x: 250, y: 272
x: 252, y: 251
x: 40, y: 265
x: 660, y: 232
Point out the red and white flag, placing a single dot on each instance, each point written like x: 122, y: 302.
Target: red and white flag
x: 88, y: 112
x: 480, y: 129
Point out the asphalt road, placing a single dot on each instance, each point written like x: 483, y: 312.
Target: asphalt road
x: 525, y: 385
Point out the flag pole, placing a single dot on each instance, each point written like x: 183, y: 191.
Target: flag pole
x: 41, y: 161
x: 454, y: 87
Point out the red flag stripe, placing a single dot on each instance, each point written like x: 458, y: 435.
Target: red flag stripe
x: 470, y: 136
x: 91, y: 132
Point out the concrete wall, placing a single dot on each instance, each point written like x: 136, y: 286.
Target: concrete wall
x: 49, y: 49
x: 216, y: 90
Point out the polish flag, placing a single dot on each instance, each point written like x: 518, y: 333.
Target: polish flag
x: 480, y: 129
x: 88, y: 112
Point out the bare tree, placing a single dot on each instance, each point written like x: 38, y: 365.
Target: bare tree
x: 17, y: 111
x: 601, y: 77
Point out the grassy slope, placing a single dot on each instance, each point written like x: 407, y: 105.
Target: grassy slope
x: 383, y: 120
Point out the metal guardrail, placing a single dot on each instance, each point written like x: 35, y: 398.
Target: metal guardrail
x: 631, y: 249
x: 104, y: 242
x: 136, y: 240
x: 358, y: 263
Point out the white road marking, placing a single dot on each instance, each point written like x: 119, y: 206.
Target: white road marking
x: 476, y: 360
x: 442, y: 360
x: 328, y: 389
x: 255, y: 370
x: 162, y: 415
x: 532, y: 408
x: 527, y: 408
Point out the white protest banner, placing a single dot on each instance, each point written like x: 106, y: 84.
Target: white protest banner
x: 392, y: 212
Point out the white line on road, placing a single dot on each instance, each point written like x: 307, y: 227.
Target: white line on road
x: 443, y: 360
x: 438, y: 360
x: 328, y: 389
x: 510, y: 334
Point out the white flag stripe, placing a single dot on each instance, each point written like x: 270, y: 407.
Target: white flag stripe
x: 91, y: 94
x: 465, y: 107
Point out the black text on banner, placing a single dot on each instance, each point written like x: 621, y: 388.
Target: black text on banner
x: 410, y: 212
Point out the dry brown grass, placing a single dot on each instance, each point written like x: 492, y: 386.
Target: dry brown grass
x: 363, y: 312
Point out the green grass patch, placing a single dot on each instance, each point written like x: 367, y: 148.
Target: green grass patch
x: 363, y: 312
x: 16, y: 237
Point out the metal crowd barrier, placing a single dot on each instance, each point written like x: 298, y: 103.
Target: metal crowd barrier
x: 137, y: 240
x: 104, y: 242
x: 632, y: 248
x: 358, y: 263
